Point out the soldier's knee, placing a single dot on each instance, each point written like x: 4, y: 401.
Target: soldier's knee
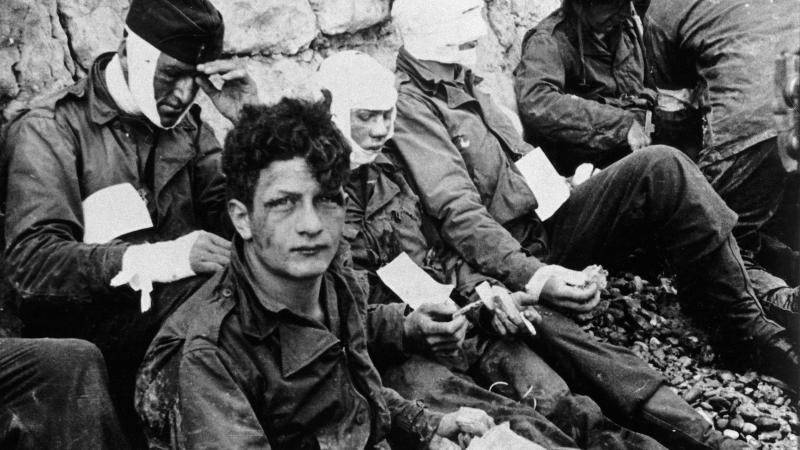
x: 667, y: 164
x: 66, y: 358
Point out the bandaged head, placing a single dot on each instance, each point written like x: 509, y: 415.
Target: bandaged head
x: 357, y: 81
x: 440, y: 30
x: 190, y: 31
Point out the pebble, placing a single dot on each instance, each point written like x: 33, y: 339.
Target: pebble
x: 767, y: 424
x: 749, y: 428
x: 651, y: 324
x: 693, y: 394
x: 753, y: 442
x: 769, y: 436
x: 749, y: 412
x: 731, y: 434
x: 719, y: 403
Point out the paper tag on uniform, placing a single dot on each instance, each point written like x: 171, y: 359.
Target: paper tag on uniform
x: 112, y: 212
x: 412, y: 284
x: 550, y: 188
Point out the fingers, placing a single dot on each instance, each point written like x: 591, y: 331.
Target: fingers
x: 575, y: 293
x: 509, y: 325
x: 208, y: 267
x: 443, y: 309
x: 219, y: 241
x: 523, y: 299
x: 444, y: 328
x: 209, y: 253
x: 577, y: 299
x: 205, y: 85
x: 508, y: 306
x: 219, y: 66
x: 533, y: 315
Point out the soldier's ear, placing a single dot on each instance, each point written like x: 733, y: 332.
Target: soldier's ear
x: 240, y: 217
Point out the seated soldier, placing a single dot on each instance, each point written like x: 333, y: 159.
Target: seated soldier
x: 385, y: 219
x: 126, y: 142
x: 54, y: 396
x: 272, y: 351
x: 459, y: 148
x: 725, y: 52
x: 580, y: 84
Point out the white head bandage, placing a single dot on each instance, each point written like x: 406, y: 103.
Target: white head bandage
x: 142, y: 59
x: 436, y: 30
x: 357, y: 81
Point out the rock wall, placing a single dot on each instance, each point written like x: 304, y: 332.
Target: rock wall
x: 47, y: 44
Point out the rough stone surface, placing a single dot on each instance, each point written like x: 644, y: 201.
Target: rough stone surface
x: 47, y: 44
x: 34, y: 53
x: 267, y: 26
x: 93, y: 27
x: 347, y: 16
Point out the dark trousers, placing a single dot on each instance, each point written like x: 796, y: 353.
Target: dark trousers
x: 752, y: 183
x: 119, y: 329
x: 535, y: 400
x: 54, y: 395
x: 654, y: 198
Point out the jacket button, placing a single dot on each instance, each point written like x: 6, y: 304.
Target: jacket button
x: 227, y: 292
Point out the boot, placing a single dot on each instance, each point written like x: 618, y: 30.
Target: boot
x: 673, y: 422
x: 780, y: 359
x: 719, y: 285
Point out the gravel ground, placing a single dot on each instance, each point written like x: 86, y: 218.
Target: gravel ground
x: 646, y: 317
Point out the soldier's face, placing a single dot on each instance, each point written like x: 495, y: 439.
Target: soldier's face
x: 174, y: 87
x: 294, y: 226
x: 370, y: 129
x: 604, y: 15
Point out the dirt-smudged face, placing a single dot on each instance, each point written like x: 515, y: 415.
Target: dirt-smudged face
x: 174, y: 87
x: 294, y: 226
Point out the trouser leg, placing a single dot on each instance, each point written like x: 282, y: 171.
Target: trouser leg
x: 445, y: 391
x: 657, y: 198
x: 54, y: 395
x: 531, y: 381
x: 121, y: 332
x: 653, y: 198
x: 751, y: 183
x: 677, y: 425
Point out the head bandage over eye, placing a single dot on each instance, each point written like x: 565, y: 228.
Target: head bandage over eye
x: 142, y: 59
x: 357, y: 81
x: 435, y: 29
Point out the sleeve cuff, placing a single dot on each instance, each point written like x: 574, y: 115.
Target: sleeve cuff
x: 536, y: 283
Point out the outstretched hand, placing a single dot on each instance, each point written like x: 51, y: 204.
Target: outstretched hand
x: 237, y: 88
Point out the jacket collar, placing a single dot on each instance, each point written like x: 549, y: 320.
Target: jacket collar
x: 301, y: 340
x: 102, y: 108
x: 451, y: 81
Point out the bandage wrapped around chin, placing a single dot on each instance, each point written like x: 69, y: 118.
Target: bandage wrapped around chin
x: 433, y: 30
x: 357, y: 81
x: 160, y: 262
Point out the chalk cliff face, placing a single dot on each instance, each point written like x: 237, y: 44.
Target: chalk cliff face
x: 47, y: 44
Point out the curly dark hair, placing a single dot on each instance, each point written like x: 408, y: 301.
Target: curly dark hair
x: 289, y: 129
